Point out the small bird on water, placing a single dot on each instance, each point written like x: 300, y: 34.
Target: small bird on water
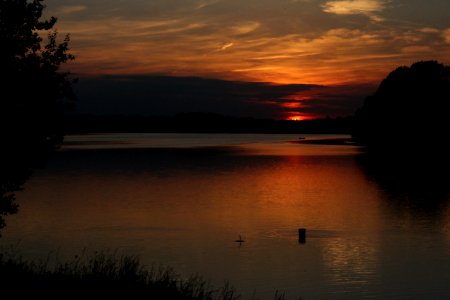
x: 240, y: 240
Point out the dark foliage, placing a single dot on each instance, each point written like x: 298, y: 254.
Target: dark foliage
x: 33, y: 94
x: 405, y: 127
x: 410, y: 110
x: 100, y: 276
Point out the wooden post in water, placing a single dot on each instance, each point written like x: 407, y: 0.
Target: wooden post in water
x: 302, y: 235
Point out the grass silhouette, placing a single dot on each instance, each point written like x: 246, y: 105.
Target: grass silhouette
x: 104, y: 275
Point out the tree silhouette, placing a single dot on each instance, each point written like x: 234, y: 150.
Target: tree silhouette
x: 33, y: 93
x: 410, y: 110
x: 12, y: 176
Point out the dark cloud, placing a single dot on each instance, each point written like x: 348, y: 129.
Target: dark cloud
x: 336, y: 101
x: 164, y: 95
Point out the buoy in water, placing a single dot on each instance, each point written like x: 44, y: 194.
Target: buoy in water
x: 302, y: 235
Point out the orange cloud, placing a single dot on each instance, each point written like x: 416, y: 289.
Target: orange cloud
x: 186, y: 45
x: 246, y: 27
x: 355, y: 7
x: 446, y: 35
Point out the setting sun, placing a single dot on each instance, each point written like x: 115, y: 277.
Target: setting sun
x: 298, y: 118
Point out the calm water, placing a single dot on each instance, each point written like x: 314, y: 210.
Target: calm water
x: 183, y: 200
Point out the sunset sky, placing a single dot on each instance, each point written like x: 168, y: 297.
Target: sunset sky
x: 260, y: 58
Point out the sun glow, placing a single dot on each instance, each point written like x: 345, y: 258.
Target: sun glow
x: 291, y: 105
x: 298, y: 118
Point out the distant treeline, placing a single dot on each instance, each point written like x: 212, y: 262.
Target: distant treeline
x: 202, y: 123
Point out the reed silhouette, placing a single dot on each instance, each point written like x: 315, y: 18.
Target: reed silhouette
x: 102, y: 275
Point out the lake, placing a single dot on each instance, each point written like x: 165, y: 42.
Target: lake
x: 182, y: 200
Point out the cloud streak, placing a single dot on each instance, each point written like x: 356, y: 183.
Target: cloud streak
x: 446, y: 35
x: 205, y: 3
x: 70, y: 9
x: 246, y: 27
x: 226, y: 46
x: 369, y: 8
